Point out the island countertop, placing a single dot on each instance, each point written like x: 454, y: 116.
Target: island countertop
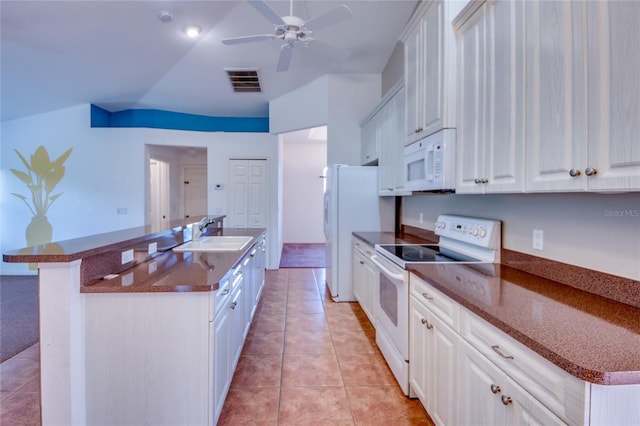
x: 161, y: 270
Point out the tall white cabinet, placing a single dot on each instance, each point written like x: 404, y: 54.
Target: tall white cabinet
x: 429, y: 51
x: 583, y: 111
x: 490, y: 136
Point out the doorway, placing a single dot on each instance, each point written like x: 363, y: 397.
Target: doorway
x: 195, y: 191
x: 159, y: 194
x: 304, y: 160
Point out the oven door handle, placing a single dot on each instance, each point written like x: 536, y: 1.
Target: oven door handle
x: 387, y: 272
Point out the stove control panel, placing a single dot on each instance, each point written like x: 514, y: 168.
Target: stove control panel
x: 475, y: 231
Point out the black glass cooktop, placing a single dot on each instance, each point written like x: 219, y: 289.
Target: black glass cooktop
x: 428, y: 253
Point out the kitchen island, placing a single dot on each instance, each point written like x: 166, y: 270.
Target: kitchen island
x: 132, y: 332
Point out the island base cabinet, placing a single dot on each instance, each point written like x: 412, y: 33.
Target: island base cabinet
x: 147, y: 357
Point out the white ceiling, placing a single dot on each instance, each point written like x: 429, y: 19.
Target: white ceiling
x: 119, y: 55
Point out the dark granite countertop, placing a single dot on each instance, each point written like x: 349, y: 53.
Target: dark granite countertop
x: 102, y: 271
x: 173, y: 271
x: 591, y: 337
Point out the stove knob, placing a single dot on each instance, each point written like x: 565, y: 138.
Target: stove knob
x: 483, y: 232
x: 439, y: 225
x: 474, y: 231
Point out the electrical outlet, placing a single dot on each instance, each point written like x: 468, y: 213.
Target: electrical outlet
x: 421, y: 219
x: 538, y: 239
x: 153, y: 248
x: 127, y: 256
x: 121, y: 210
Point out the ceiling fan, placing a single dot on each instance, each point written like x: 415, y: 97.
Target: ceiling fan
x: 294, y: 31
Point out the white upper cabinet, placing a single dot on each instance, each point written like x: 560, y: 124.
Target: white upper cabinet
x: 429, y: 49
x: 556, y: 95
x: 583, y: 91
x: 490, y: 135
x: 614, y: 95
x: 370, y: 141
x: 391, y: 156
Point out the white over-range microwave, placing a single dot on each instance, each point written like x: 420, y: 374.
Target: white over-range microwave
x: 430, y: 163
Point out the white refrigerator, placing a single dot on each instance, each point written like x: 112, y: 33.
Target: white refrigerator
x: 351, y: 203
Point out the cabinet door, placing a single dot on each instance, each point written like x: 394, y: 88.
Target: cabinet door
x: 614, y: 93
x: 472, y: 111
x: 556, y: 112
x: 413, y: 81
x: 420, y: 342
x: 480, y: 389
x: 237, y: 325
x: 358, y: 277
x: 504, y: 96
x: 432, y: 62
x: 441, y: 377
x: 221, y: 361
x: 520, y: 408
x: 386, y: 181
x: 369, y: 140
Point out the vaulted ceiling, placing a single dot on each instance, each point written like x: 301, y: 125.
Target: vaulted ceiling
x: 121, y: 55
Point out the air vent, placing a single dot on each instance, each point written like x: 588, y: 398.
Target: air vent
x: 244, y: 80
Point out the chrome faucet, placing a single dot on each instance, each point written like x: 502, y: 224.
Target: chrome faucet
x: 202, y: 225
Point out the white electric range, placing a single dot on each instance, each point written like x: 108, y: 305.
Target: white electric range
x: 463, y: 240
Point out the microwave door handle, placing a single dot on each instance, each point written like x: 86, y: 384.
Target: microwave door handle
x: 387, y: 272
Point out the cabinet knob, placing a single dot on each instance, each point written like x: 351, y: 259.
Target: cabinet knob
x: 361, y: 262
x: 425, y: 322
x: 590, y: 171
x: 495, y: 389
x: 506, y: 400
x: 233, y: 305
x: 484, y: 180
x: 574, y: 172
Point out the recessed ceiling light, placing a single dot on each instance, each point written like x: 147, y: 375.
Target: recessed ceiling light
x: 192, y: 31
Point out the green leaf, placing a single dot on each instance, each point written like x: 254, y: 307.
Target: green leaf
x: 27, y: 165
x: 22, y: 197
x: 22, y: 176
x: 40, y: 161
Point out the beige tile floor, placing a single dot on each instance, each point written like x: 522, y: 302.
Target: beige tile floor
x: 306, y: 361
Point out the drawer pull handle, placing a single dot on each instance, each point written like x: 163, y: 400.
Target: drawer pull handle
x: 426, y: 296
x: 495, y: 389
x: 226, y: 291
x: 425, y: 322
x: 497, y: 350
x: 506, y: 400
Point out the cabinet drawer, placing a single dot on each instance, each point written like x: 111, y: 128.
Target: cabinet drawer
x: 364, y: 248
x: 563, y: 394
x: 222, y: 294
x: 444, y: 307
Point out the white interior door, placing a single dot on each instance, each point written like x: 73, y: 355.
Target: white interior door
x: 195, y: 191
x: 247, y: 193
x: 159, y: 194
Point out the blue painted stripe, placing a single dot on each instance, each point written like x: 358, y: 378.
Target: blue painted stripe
x: 159, y: 119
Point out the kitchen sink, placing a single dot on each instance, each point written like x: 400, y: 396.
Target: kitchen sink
x: 216, y: 243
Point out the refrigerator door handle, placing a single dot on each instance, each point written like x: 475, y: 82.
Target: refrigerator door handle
x: 326, y: 215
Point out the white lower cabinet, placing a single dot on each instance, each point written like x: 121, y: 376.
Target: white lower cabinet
x: 365, y: 279
x: 489, y: 397
x: 465, y: 371
x: 432, y: 347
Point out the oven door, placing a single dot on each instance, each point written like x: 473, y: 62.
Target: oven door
x: 392, y: 318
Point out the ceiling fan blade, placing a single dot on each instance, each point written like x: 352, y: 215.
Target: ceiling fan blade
x: 329, y: 50
x: 267, y: 11
x: 333, y: 16
x: 286, y: 52
x: 248, y: 39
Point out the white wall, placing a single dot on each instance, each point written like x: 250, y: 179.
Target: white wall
x: 594, y: 231
x: 108, y: 170
x: 340, y: 101
x: 302, y: 166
